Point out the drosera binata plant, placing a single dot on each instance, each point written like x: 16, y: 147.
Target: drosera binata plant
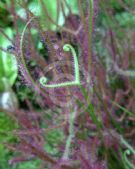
x: 84, y: 122
x: 66, y: 48
x: 43, y: 80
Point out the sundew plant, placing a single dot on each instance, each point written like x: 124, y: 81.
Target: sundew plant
x: 67, y: 84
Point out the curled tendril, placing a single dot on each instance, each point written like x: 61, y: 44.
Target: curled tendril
x: 128, y: 152
x: 130, y: 148
x: 43, y: 80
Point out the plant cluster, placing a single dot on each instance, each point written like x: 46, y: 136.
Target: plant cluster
x: 73, y: 100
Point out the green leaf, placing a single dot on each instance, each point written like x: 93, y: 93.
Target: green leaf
x: 38, y: 8
x: 8, y: 63
x: 74, y: 6
x: 6, y: 125
x: 30, y: 164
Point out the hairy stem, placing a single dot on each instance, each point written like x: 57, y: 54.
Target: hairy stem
x: 71, y: 135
